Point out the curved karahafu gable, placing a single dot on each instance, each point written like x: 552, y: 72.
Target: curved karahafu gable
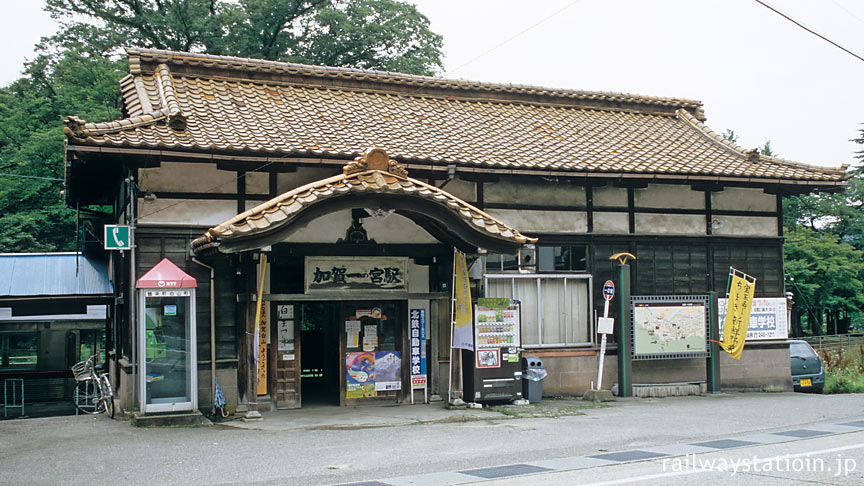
x: 193, y: 103
x: 372, y: 181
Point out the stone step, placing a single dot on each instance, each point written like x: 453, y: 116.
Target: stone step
x: 186, y: 419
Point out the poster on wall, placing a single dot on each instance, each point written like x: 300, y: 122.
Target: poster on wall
x: 767, y: 318
x: 666, y: 327
x: 388, y: 370
x: 417, y: 329
x: 360, y: 375
x: 356, y: 273
x: 285, y: 335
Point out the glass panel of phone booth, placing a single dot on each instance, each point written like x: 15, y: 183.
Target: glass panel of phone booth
x: 167, y: 348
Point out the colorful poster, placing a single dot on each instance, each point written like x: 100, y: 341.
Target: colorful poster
x: 738, y: 313
x: 462, y: 333
x: 388, y: 370
x: 417, y: 329
x: 360, y: 375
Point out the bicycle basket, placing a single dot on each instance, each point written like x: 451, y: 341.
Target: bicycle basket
x: 83, y: 370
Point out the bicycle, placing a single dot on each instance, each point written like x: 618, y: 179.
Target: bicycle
x: 93, y: 393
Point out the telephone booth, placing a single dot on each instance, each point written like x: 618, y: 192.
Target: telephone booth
x: 167, y: 361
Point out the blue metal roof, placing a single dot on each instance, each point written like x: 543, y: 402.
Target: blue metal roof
x: 52, y: 274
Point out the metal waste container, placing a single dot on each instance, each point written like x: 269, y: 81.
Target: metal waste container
x: 533, y: 373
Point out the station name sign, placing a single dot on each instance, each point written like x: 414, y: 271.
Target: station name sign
x: 356, y: 273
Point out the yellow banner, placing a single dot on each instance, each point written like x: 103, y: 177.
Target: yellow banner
x: 261, y: 331
x: 463, y: 337
x: 737, y: 315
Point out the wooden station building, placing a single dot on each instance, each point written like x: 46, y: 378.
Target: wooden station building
x: 222, y: 164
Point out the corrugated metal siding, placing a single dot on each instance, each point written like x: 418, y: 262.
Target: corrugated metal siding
x: 33, y: 274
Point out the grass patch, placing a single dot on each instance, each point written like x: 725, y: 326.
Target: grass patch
x: 844, y: 369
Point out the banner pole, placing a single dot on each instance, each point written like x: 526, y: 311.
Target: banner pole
x: 452, y: 330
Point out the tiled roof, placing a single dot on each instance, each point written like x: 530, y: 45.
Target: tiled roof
x: 373, y: 173
x: 197, y: 102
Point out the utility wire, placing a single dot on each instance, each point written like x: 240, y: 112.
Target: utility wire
x: 5, y: 174
x: 799, y: 24
x: 511, y: 38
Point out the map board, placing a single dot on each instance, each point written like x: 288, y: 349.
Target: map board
x: 668, y: 327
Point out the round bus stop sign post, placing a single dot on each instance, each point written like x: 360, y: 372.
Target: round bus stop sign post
x: 605, y: 327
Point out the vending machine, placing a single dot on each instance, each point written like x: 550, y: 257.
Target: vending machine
x: 493, y: 371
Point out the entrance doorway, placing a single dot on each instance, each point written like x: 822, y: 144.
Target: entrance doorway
x: 319, y: 361
x: 346, y: 353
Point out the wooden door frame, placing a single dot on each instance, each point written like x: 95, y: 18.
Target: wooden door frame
x: 402, y: 311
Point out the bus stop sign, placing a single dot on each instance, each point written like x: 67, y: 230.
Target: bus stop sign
x: 608, y: 290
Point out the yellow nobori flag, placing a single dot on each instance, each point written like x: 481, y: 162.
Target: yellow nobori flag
x: 740, y: 300
x: 463, y: 336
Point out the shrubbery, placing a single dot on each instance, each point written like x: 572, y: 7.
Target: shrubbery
x: 844, y: 369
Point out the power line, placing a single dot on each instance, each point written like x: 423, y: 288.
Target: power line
x: 790, y: 19
x: 5, y: 174
x: 511, y: 38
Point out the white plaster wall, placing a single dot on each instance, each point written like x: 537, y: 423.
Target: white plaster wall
x: 745, y: 226
x: 611, y: 222
x: 304, y: 175
x: 610, y: 196
x: 743, y: 199
x: 536, y: 221
x: 187, y: 177
x: 418, y: 280
x: 534, y: 191
x: 197, y: 212
x: 669, y: 196
x: 390, y: 229
x: 464, y: 190
x: 670, y: 224
x: 325, y: 229
x: 257, y: 182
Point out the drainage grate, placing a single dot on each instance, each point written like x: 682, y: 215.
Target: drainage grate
x: 629, y: 456
x: 725, y: 443
x: 505, y: 471
x: 857, y: 423
x: 801, y: 433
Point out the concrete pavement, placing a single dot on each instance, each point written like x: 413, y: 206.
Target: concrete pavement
x: 343, y: 445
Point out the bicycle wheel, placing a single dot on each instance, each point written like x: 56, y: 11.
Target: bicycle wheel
x: 107, y: 402
x: 86, y: 396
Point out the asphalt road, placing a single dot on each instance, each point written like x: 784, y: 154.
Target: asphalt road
x: 79, y: 450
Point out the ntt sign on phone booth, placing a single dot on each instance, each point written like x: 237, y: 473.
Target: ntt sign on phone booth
x: 118, y: 237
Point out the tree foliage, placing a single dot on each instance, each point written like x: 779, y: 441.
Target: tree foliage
x: 33, y: 216
x: 76, y: 72
x: 373, y: 34
x: 824, y: 253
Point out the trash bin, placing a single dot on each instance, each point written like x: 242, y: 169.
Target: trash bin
x: 533, y: 373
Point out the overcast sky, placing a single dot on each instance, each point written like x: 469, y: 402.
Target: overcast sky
x: 755, y: 72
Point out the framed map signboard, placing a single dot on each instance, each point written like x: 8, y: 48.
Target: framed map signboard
x: 670, y: 327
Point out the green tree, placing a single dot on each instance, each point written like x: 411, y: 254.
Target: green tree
x: 823, y: 251
x: 374, y: 34
x: 76, y: 71
x: 33, y: 216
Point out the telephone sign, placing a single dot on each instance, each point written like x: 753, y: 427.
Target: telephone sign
x: 118, y: 237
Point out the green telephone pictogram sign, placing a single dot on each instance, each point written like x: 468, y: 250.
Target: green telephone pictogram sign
x: 118, y: 237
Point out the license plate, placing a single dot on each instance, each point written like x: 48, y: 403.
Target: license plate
x: 806, y: 382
